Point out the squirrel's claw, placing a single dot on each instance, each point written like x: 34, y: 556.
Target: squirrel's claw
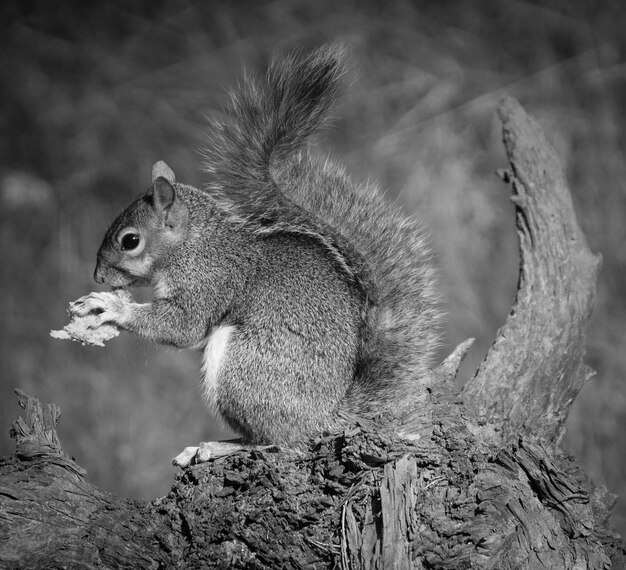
x: 91, y: 303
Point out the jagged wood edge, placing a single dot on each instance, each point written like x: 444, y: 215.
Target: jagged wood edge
x: 51, y: 516
x: 535, y: 368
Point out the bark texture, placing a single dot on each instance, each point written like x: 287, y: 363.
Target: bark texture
x: 469, y: 480
x: 535, y: 368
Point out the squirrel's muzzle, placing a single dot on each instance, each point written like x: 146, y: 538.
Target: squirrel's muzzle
x: 97, y: 275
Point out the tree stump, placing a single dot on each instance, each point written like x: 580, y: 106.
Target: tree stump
x: 473, y: 479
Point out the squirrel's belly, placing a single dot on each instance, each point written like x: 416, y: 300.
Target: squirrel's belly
x: 214, y: 352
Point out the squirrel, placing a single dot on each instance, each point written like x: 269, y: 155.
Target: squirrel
x: 313, y: 299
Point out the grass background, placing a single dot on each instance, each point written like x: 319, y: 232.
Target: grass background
x: 92, y: 94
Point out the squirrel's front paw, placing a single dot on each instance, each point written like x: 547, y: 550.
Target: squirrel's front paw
x: 110, y: 307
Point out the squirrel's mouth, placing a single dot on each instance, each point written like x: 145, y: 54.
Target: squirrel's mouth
x: 121, y: 279
x: 122, y: 287
x: 131, y: 283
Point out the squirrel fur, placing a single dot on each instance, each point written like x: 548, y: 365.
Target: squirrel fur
x: 312, y: 297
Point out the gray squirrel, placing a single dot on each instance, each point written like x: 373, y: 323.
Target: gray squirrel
x: 313, y: 299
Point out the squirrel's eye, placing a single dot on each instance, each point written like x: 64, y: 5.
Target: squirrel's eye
x: 130, y: 241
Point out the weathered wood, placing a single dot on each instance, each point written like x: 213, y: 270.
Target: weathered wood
x: 449, y: 486
x: 364, y: 498
x: 51, y: 517
x: 535, y: 368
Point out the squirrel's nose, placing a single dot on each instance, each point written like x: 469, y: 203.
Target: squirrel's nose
x: 97, y: 275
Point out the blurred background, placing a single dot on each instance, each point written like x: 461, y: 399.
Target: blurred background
x: 92, y: 94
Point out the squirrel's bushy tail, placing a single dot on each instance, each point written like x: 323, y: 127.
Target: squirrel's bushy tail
x: 273, y: 119
x: 264, y: 177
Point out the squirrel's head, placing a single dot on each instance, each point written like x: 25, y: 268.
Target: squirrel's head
x: 144, y: 234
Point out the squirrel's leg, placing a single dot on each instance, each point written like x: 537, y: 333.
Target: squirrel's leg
x: 274, y: 383
x: 269, y: 384
x: 214, y: 353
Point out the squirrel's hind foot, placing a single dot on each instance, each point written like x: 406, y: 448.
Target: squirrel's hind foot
x: 209, y: 450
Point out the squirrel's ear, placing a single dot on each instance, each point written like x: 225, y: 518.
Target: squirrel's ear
x: 163, y: 194
x: 160, y: 169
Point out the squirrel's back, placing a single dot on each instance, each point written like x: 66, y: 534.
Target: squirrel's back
x: 264, y: 176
